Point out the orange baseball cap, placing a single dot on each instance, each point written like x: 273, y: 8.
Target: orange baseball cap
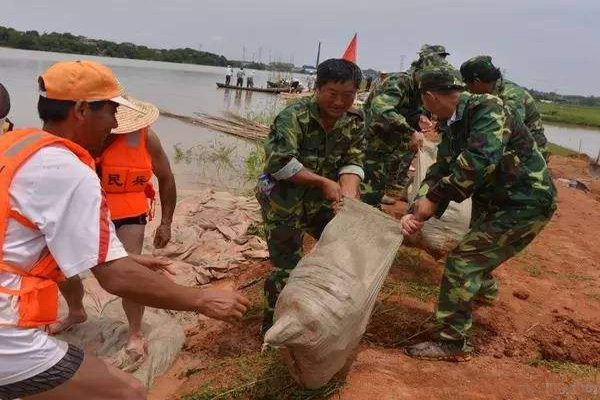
x: 82, y: 81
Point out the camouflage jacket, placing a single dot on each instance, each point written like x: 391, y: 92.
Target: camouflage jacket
x: 297, y: 139
x: 392, y: 113
x: 523, y: 103
x: 487, y: 152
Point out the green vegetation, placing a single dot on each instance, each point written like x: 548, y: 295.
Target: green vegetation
x: 257, y: 376
x: 69, y: 43
x: 560, y: 151
x: 570, y: 114
x: 76, y: 44
x: 568, y: 368
x: 576, y: 100
x: 420, y: 290
x: 254, y: 164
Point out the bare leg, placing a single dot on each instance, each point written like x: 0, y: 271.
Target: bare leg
x: 132, y: 237
x: 72, y: 291
x: 96, y: 380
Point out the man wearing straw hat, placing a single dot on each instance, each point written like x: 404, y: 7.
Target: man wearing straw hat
x: 131, y: 155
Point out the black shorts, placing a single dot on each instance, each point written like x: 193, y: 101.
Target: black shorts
x: 60, y: 373
x: 139, y: 220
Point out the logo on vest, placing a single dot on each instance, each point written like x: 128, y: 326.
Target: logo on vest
x: 114, y: 179
x: 140, y: 180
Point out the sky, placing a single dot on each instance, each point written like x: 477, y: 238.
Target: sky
x: 550, y: 45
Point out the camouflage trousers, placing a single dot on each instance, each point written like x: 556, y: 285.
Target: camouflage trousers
x: 494, y: 238
x: 398, y: 166
x: 381, y: 171
x: 284, y: 241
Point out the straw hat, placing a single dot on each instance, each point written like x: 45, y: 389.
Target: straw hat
x: 130, y: 120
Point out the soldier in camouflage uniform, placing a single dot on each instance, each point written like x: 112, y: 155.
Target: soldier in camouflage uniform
x: 486, y: 153
x: 392, y: 113
x: 428, y: 50
x: 481, y: 76
x: 314, y: 157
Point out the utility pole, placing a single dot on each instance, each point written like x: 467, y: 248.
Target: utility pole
x: 402, y: 57
x: 318, y: 55
x: 244, y: 54
x: 260, y: 54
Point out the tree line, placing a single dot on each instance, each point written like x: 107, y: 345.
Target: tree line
x: 69, y: 43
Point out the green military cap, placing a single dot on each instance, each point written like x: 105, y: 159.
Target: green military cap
x: 440, y: 79
x: 434, y: 49
x: 479, y: 67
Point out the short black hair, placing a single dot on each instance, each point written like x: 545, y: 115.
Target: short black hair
x: 4, y: 101
x: 338, y: 70
x: 58, y: 110
x: 484, y: 75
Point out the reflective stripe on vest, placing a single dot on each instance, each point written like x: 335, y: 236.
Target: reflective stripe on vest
x: 38, y: 290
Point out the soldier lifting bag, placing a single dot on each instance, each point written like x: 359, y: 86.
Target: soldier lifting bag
x: 326, y: 304
x: 438, y: 236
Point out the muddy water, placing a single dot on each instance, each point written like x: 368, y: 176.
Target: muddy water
x: 183, y: 89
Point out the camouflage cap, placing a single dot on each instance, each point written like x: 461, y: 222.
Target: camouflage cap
x: 434, y: 49
x: 440, y: 79
x: 432, y: 60
x: 480, y: 67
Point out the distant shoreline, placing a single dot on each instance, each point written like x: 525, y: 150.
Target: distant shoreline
x: 570, y: 115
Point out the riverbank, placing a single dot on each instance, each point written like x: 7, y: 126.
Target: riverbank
x: 540, y: 341
x: 581, y: 116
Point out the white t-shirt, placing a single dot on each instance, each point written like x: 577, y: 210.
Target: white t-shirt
x: 63, y: 197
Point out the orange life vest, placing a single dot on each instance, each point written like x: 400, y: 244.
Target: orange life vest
x: 38, y: 292
x: 126, y: 169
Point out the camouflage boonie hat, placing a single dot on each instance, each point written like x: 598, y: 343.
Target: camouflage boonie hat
x: 477, y: 67
x: 434, y: 49
x: 440, y: 79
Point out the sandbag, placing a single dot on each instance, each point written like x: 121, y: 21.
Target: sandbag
x: 326, y: 304
x: 438, y: 236
x: 104, y: 334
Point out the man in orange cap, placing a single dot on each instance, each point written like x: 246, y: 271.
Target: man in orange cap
x: 131, y: 155
x: 55, y: 223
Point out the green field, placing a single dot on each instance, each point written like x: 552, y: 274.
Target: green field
x: 570, y: 114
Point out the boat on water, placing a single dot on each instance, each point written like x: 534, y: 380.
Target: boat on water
x: 254, y: 89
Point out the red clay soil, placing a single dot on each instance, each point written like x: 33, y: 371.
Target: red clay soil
x: 549, y: 309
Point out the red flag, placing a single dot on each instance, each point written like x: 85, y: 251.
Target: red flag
x: 350, y: 53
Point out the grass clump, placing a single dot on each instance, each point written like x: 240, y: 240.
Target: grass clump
x: 568, y: 368
x: 533, y: 271
x: 423, y: 291
x: 254, y: 163
x: 259, y: 377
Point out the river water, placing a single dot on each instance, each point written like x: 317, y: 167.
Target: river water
x: 179, y: 88
x: 185, y: 89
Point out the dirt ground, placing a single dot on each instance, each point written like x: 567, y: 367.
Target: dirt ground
x: 540, y: 341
